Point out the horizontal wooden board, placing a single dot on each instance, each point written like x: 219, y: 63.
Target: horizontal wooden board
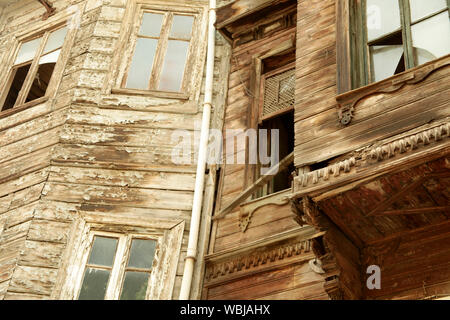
x: 51, y: 231
x: 257, y: 232
x: 135, y: 197
x: 32, y: 127
x: 30, y: 144
x: 33, y: 280
x: 23, y: 182
x: 117, y: 155
x: 41, y: 254
x: 120, y: 178
x: 272, y: 283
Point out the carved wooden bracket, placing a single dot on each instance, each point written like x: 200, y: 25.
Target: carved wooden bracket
x: 348, y: 101
x: 49, y: 7
x: 328, y: 250
x: 248, y: 209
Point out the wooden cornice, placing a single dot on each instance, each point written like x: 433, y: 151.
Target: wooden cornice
x: 367, y: 163
x: 290, y: 247
x: 241, y: 8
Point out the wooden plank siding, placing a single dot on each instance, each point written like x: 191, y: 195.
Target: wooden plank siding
x: 88, y: 152
x: 293, y: 279
x: 318, y: 134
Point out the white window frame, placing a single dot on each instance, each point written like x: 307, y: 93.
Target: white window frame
x: 121, y: 256
x: 168, y: 234
x: 40, y: 28
x: 196, y: 54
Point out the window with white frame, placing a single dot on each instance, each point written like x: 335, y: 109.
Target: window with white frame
x: 121, y: 257
x: 118, y: 267
x: 33, y: 68
x: 162, y: 52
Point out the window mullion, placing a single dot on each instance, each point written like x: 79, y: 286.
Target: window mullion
x: 161, y: 52
x: 360, y: 52
x: 114, y: 284
x: 405, y: 18
x: 32, y: 72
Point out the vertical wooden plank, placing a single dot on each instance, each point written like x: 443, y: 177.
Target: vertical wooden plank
x: 343, y: 51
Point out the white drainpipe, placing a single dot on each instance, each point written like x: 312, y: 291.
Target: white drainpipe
x: 201, y: 165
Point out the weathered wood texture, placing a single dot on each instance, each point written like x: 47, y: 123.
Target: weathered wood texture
x: 87, y: 150
x: 238, y: 116
x: 377, y: 115
x: 263, y: 271
x: 292, y: 282
x: 415, y: 267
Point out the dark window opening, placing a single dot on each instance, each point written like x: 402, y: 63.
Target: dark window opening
x: 27, y: 84
x: 285, y: 124
x: 18, y: 78
x: 41, y: 81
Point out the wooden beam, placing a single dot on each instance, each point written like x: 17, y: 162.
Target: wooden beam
x: 258, y: 183
x: 413, y: 211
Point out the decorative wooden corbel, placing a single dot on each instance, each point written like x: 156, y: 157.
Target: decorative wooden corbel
x: 248, y: 209
x: 49, y: 7
x: 348, y: 101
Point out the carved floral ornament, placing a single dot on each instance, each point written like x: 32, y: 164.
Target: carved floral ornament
x: 374, y: 154
x: 248, y: 209
x: 251, y: 261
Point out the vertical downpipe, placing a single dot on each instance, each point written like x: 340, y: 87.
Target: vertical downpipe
x: 191, y: 255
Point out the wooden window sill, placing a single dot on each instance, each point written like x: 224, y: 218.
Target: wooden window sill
x: 7, y: 113
x: 348, y: 101
x: 151, y: 93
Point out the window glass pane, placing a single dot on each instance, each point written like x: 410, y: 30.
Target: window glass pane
x: 134, y: 285
x: 50, y: 57
x: 151, y: 24
x: 385, y: 60
x: 19, y: 76
x: 41, y: 81
x: 423, y: 8
x: 55, y: 40
x: 27, y: 50
x: 141, y: 253
x: 431, y: 38
x: 103, y: 251
x: 181, y: 27
x: 174, y: 64
x: 142, y: 64
x: 383, y: 17
x: 94, y: 284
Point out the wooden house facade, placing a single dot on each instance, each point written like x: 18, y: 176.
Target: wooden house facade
x: 345, y: 102
x: 91, y: 204
x: 370, y: 190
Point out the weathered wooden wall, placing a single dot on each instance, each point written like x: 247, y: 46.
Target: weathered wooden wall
x: 89, y: 151
x: 382, y: 112
x: 227, y: 277
x: 377, y: 116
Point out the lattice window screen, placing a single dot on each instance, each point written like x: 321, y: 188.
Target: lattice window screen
x: 279, y: 92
